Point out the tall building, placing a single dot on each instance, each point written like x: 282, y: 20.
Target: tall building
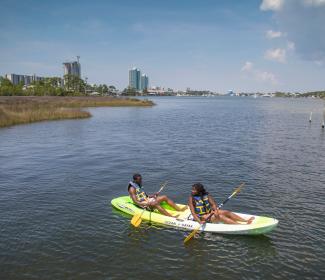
x: 135, y: 79
x: 72, y: 68
x: 24, y: 79
x: 144, y: 82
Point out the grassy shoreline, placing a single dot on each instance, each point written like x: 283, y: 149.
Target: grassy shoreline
x: 27, y: 109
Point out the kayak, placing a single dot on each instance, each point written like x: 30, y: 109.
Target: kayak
x: 260, y: 224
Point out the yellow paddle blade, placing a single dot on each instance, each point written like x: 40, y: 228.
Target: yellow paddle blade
x: 136, y: 220
x: 190, y: 236
x: 237, y: 190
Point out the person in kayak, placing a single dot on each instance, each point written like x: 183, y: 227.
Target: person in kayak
x: 140, y: 197
x: 202, y: 204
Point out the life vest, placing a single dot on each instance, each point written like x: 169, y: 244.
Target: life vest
x: 139, y: 192
x: 201, y: 204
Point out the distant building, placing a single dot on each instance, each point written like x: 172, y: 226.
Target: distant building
x: 144, y: 82
x: 135, y: 79
x: 72, y: 68
x: 24, y: 79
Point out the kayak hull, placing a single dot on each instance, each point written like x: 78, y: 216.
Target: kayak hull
x: 260, y: 224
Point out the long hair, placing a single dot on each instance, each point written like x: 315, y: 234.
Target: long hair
x: 200, y: 189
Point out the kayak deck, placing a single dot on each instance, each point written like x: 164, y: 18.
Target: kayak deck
x: 260, y: 224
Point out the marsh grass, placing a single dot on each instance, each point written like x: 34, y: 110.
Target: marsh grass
x: 26, y: 109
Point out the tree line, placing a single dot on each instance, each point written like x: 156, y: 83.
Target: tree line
x: 70, y: 85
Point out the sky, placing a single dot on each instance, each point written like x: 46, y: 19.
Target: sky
x: 218, y: 45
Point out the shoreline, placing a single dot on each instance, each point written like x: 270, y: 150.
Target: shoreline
x: 16, y: 110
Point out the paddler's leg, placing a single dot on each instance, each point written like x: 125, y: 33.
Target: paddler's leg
x: 163, y: 211
x: 212, y: 219
x: 165, y: 198
x: 227, y: 220
x: 235, y: 217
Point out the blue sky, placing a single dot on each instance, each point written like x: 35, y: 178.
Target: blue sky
x: 251, y: 45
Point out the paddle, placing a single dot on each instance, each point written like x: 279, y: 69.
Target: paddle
x: 136, y: 219
x: 237, y: 190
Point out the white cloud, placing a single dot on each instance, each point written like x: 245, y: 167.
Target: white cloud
x: 259, y: 75
x: 266, y: 77
x: 247, y: 66
x: 291, y: 46
x: 270, y: 34
x: 314, y: 2
x: 319, y: 62
x: 303, y: 22
x: 272, y: 5
x: 277, y: 54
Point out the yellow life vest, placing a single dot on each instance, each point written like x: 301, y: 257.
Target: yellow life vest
x: 139, y: 192
x: 201, y: 204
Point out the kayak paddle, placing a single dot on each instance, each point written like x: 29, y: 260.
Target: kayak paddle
x: 136, y: 219
x: 237, y: 190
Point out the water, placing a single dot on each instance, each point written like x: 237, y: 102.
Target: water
x: 57, y: 179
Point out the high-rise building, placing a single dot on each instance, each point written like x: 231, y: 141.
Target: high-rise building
x: 24, y: 79
x: 72, y: 68
x: 135, y: 79
x: 144, y: 82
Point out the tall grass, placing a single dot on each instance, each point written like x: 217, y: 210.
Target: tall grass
x: 23, y: 109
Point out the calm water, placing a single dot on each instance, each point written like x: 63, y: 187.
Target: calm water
x: 57, y: 180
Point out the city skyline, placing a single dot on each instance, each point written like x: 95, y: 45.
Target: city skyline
x: 69, y: 68
x: 257, y: 45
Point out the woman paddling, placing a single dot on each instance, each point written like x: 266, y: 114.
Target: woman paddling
x: 202, y: 204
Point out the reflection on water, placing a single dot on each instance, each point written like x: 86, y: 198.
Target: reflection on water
x: 57, y: 180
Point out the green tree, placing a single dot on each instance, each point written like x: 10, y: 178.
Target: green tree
x: 5, y: 82
x: 105, y: 89
x: 129, y: 91
x: 73, y: 83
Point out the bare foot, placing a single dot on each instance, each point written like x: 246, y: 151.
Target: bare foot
x: 251, y: 219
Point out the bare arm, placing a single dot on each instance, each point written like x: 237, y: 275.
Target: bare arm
x: 195, y: 216
x: 213, y: 203
x: 133, y: 196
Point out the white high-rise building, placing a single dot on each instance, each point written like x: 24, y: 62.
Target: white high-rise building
x: 23, y: 79
x: 72, y: 68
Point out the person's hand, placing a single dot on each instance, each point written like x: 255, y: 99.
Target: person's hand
x: 151, y: 203
x: 145, y: 204
x: 201, y: 222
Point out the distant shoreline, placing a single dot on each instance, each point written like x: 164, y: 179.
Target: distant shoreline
x: 16, y: 110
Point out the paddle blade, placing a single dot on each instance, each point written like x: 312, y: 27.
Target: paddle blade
x: 238, y: 189
x: 136, y: 220
x: 191, y: 235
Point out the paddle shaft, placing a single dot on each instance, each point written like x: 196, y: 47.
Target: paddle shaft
x: 226, y: 200
x: 230, y: 196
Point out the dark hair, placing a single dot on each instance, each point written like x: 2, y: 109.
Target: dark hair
x: 200, y: 189
x: 136, y: 176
